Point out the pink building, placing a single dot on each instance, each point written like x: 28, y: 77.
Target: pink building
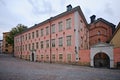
x: 65, y: 38
x: 58, y: 39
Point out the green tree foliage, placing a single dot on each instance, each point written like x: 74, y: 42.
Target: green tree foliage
x: 18, y: 29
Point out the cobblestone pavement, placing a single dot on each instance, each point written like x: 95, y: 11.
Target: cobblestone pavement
x: 17, y: 69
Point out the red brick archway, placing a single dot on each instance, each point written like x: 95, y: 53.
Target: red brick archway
x: 101, y: 60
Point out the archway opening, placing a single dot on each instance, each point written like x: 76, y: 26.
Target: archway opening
x: 101, y: 60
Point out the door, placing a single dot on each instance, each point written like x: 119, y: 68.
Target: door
x: 101, y: 60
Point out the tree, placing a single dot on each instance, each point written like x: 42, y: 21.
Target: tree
x: 10, y: 38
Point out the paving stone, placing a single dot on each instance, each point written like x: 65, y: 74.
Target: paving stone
x: 12, y: 68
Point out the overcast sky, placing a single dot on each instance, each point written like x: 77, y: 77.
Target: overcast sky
x: 30, y: 12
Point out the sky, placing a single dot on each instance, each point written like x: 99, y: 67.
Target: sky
x: 30, y: 12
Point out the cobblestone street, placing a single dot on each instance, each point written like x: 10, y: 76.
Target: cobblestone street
x: 17, y: 69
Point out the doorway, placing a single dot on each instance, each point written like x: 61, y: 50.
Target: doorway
x: 32, y: 56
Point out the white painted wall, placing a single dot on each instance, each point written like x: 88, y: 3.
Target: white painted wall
x: 77, y: 35
x: 105, y: 48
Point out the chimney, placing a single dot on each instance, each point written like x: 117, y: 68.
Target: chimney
x: 92, y: 18
x: 69, y: 7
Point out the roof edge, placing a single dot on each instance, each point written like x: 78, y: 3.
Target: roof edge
x: 77, y: 8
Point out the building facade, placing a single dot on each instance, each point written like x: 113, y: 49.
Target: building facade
x: 1, y: 41
x: 116, y: 37
x: 115, y: 40
x: 100, y: 30
x: 101, y: 53
x: 57, y: 39
x: 67, y: 38
x: 7, y: 48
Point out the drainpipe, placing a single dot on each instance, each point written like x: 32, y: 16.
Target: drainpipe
x: 50, y: 39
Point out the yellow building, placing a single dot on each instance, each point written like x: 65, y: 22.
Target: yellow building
x: 115, y: 40
x: 7, y: 48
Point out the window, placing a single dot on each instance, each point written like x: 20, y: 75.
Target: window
x: 37, y: 33
x: 47, y: 30
x: 6, y: 45
x: 98, y: 33
x: 26, y: 47
x: 29, y: 36
x: 16, y: 48
x: 41, y: 32
x: 41, y: 44
x: 33, y: 35
x: 32, y: 46
x: 68, y: 40
x: 53, y: 42
x: 53, y: 56
x: 82, y: 45
x: 23, y: 38
x: 69, y: 57
x: 42, y: 57
x: 105, y: 32
x: 23, y: 47
x: 37, y: 45
x: 29, y: 46
x: 61, y: 41
x: 68, y: 23
x: 47, y: 57
x: 47, y: 43
x: 26, y: 36
x: 60, y: 56
x: 60, y: 24
x: 6, y: 50
x: 53, y: 29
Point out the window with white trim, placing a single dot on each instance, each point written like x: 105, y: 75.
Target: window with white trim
x: 47, y: 43
x: 60, y: 25
x: 68, y: 40
x: 60, y: 41
x: 33, y: 35
x: 60, y: 57
x: 37, y: 33
x: 41, y: 44
x: 42, y: 32
x: 53, y: 28
x: 37, y: 45
x: 53, y: 42
x: 47, y: 30
x: 68, y: 23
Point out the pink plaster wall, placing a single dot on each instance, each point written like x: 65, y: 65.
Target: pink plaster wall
x: 84, y: 56
x: 56, y: 50
x: 116, y: 55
